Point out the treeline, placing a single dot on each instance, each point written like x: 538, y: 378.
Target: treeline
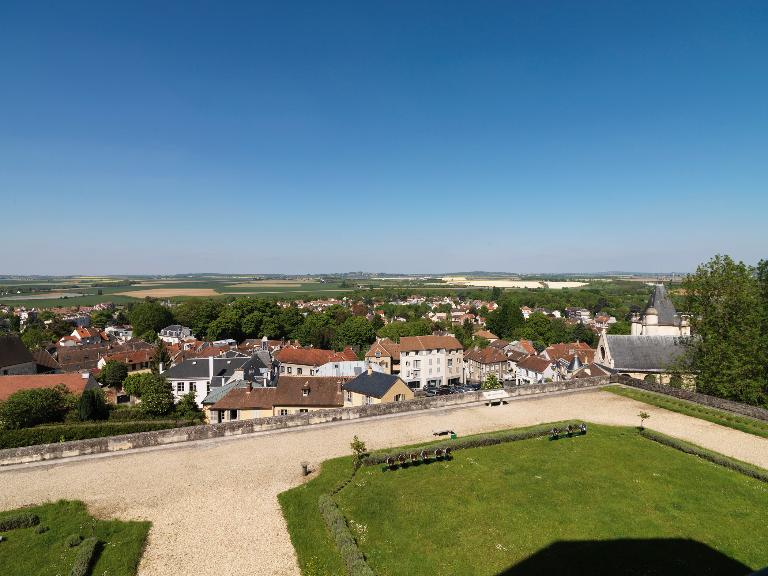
x: 728, y: 303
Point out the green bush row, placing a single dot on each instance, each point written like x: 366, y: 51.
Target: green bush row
x: 84, y: 557
x: 50, y: 434
x: 471, y: 442
x: 713, y: 457
x: 23, y: 520
x: 345, y: 542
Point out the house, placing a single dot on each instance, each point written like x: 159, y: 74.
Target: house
x: 136, y: 360
x: 296, y: 361
x: 45, y: 363
x: 373, y: 387
x: 589, y: 371
x: 385, y: 353
x: 239, y: 400
x: 535, y: 370
x: 175, y: 333
x: 513, y: 358
x: 119, y: 334
x: 487, y: 334
x: 15, y: 358
x: 346, y: 368
x: 578, y: 315
x: 201, y: 375
x: 302, y: 394
x: 567, y: 350
x: 431, y: 361
x: 660, y: 318
x: 525, y: 346
x: 75, y: 382
x: 640, y: 356
x: 89, y: 336
x: 482, y: 362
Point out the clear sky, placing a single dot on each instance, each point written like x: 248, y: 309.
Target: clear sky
x: 299, y: 137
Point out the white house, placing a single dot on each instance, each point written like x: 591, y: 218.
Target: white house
x: 431, y: 361
x: 535, y: 370
x: 175, y: 333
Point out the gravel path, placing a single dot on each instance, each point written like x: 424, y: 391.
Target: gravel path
x: 213, y: 504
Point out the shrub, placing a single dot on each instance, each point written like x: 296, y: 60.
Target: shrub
x: 188, y: 408
x: 472, y: 442
x: 84, y: 557
x: 17, y: 521
x: 113, y: 374
x: 713, y: 457
x: 41, y: 529
x: 73, y: 540
x: 156, y: 396
x: 345, y: 542
x: 65, y: 432
x: 35, y: 406
x: 92, y: 405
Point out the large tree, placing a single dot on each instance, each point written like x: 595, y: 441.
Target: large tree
x: 356, y: 331
x: 507, y: 320
x: 113, y: 374
x: 148, y: 318
x: 727, y: 307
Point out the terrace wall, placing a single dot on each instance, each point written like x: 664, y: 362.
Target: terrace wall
x: 208, y: 431
x: 713, y: 401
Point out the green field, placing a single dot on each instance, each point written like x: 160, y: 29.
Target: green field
x: 610, y: 502
x: 27, y: 553
x: 729, y: 419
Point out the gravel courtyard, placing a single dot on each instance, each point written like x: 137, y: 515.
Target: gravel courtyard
x: 213, y: 504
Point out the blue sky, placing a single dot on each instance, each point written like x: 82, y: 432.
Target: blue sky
x: 300, y: 137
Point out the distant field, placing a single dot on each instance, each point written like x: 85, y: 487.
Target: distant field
x: 500, y: 283
x: 169, y: 292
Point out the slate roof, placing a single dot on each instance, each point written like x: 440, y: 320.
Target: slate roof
x: 660, y: 300
x: 45, y: 362
x: 13, y: 351
x: 222, y: 368
x: 375, y: 384
x: 534, y: 364
x: 645, y: 353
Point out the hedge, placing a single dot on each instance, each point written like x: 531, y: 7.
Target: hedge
x: 471, y: 442
x: 64, y: 432
x: 345, y: 542
x: 73, y: 540
x: 714, y: 457
x: 23, y: 520
x: 84, y: 557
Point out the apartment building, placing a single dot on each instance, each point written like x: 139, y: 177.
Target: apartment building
x: 431, y: 361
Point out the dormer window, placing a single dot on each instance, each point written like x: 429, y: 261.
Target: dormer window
x: 378, y: 354
x: 305, y: 392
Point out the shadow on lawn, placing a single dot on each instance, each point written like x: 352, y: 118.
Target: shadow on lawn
x: 653, y: 557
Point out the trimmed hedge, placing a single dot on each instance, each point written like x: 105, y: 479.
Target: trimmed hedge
x: 471, y: 442
x: 84, y: 557
x: 714, y: 457
x: 345, y: 542
x: 65, y: 432
x: 73, y: 540
x: 16, y: 521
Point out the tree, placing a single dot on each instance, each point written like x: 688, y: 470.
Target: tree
x: 35, y: 406
x: 643, y: 417
x: 156, y: 397
x: 92, y: 405
x: 148, y: 318
x: 726, y: 302
x: 35, y: 337
x: 355, y: 331
x: 227, y: 325
x: 101, y: 318
x: 395, y: 330
x: 358, y: 451
x: 198, y: 314
x: 507, y: 320
x: 136, y: 383
x: 113, y: 374
x: 160, y: 358
x: 621, y: 327
x: 187, y: 407
x: 650, y: 378
x: 491, y: 382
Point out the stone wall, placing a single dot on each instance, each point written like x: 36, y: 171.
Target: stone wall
x: 208, y: 431
x: 712, y: 401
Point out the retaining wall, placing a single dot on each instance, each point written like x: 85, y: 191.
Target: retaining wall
x: 713, y: 401
x: 208, y: 431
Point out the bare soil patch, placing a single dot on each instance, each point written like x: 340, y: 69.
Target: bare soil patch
x: 169, y: 292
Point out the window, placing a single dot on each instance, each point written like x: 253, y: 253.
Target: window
x: 430, y: 361
x: 417, y: 363
x: 378, y: 353
x: 207, y: 386
x: 282, y: 369
x: 303, y: 410
x: 290, y: 369
x: 305, y: 392
x: 299, y: 371
x: 179, y: 386
x: 283, y: 412
x: 450, y: 362
x: 368, y: 400
x: 233, y: 414
x: 192, y: 387
x: 349, y: 396
x: 399, y: 397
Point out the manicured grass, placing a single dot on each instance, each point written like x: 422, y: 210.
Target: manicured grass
x: 729, y: 419
x: 27, y: 552
x: 608, y: 502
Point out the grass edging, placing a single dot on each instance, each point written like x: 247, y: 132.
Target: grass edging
x: 342, y: 536
x: 475, y: 441
x: 690, y: 408
x: 710, y: 456
x: 23, y: 520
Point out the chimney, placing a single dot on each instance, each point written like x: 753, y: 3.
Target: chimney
x: 249, y: 388
x: 370, y: 369
x: 210, y: 368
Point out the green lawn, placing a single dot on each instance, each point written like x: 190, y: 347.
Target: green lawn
x: 27, y: 553
x: 729, y: 419
x: 610, y: 502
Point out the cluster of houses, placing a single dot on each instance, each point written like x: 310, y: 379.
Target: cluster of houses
x: 262, y: 377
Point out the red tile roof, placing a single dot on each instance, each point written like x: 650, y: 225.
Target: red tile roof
x: 313, y: 356
x: 412, y: 343
x: 386, y: 347
x: 487, y: 355
x: 534, y: 364
x: 74, y: 382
